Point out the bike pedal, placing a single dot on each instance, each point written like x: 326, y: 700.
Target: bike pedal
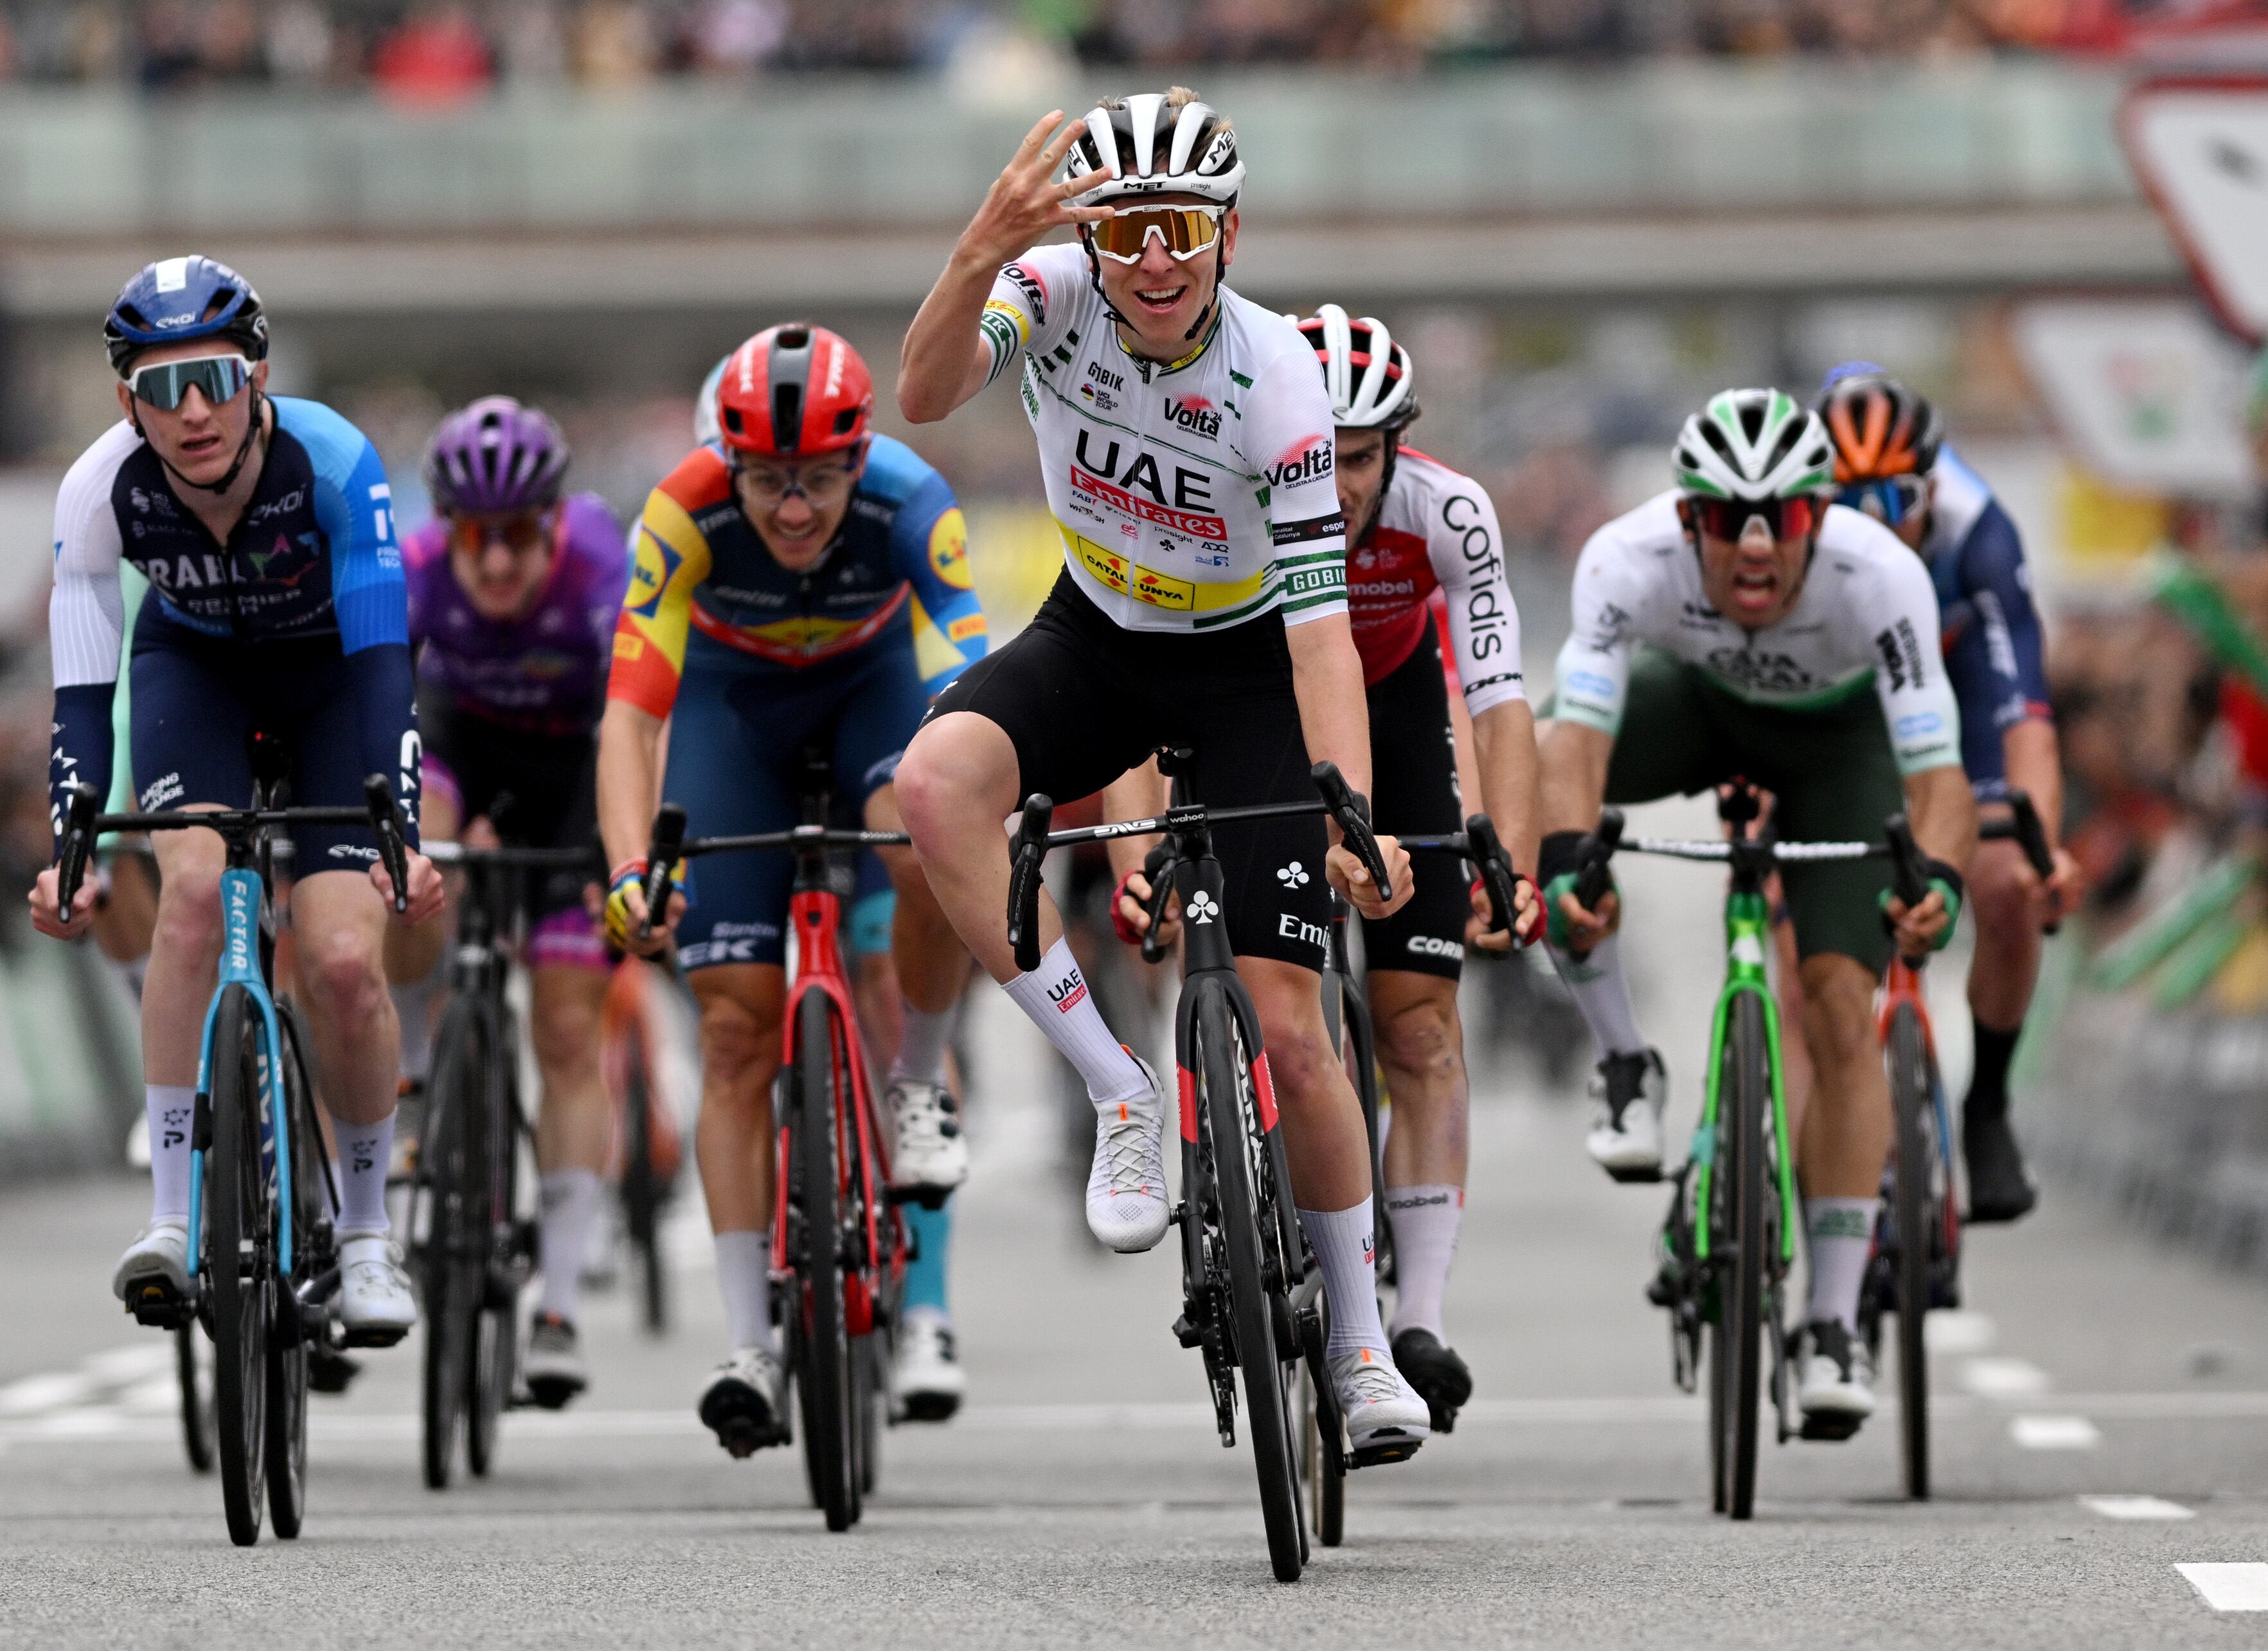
x: 1638, y: 1176
x: 1825, y: 1429
x: 329, y: 1370
x: 1383, y: 1451
x: 159, y: 1309
x: 1187, y: 1334
x: 383, y: 1336
x: 742, y: 1438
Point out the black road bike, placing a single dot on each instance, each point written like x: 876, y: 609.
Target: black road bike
x: 473, y: 1245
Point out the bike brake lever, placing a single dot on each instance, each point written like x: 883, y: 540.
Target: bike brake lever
x: 393, y: 846
x: 1025, y: 879
x: 661, y: 859
x: 1156, y: 867
x: 1496, y: 874
x: 2034, y: 840
x: 77, y: 844
x: 1351, y: 810
x: 1594, y: 880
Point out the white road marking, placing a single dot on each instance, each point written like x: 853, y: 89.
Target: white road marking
x: 2003, y: 1378
x: 2136, y: 1507
x: 1957, y: 1331
x: 2054, y: 1432
x: 2230, y: 1586
x: 36, y: 1393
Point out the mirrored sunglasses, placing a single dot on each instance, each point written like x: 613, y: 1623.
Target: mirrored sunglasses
x: 164, y: 385
x: 1889, y: 501
x: 1729, y: 518
x: 1186, y: 230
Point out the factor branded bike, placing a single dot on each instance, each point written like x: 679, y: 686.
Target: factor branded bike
x: 262, y: 1261
x: 839, y: 1245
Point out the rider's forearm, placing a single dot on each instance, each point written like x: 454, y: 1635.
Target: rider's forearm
x: 1334, y: 714
x: 629, y: 769
x: 2034, y: 764
x: 1942, y: 810
x: 1504, y: 736
x: 938, y: 364
x: 1571, y: 760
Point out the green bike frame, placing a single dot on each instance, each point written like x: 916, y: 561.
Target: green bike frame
x: 1748, y: 934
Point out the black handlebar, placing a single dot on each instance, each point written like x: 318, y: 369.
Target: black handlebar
x: 392, y: 843
x: 79, y: 843
x: 2032, y: 837
x: 1026, y: 876
x: 1154, y: 866
x: 662, y: 855
x: 1909, y: 867
x: 1592, y: 879
x: 1351, y: 810
x: 1487, y: 853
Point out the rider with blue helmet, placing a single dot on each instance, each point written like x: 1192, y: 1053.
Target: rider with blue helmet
x: 277, y: 606
x: 1891, y: 461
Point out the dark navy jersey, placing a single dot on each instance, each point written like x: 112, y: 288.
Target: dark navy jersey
x: 313, y: 560
x: 1994, y: 652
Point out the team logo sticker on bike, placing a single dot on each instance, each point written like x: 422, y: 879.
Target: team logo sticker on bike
x: 1203, y: 907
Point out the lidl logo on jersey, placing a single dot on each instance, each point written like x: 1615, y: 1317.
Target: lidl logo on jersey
x: 948, y: 549
x: 650, y: 574
x: 1195, y: 415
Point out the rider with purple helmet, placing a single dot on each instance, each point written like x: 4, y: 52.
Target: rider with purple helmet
x: 513, y: 592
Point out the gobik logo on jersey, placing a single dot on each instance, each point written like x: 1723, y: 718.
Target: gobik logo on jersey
x: 1195, y: 415
x: 1309, y: 461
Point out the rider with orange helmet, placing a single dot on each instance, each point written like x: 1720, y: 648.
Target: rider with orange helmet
x: 1891, y: 461
x: 796, y: 580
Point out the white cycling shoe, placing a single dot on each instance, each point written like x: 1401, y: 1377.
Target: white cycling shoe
x: 1835, y: 1378
x: 926, y: 1374
x: 1628, y: 1093
x: 745, y: 1403
x: 1127, y: 1206
x: 1386, y: 1420
x: 375, y: 1301
x: 930, y: 1153
x: 154, y: 1271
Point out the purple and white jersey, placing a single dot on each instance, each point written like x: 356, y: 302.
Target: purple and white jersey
x: 545, y: 673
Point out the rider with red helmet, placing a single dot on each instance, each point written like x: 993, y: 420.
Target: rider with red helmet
x: 798, y: 579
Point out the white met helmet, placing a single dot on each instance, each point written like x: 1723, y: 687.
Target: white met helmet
x: 1152, y: 145
x: 1754, y: 444
x: 1370, y: 378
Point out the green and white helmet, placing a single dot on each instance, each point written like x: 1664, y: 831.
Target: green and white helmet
x: 1754, y: 444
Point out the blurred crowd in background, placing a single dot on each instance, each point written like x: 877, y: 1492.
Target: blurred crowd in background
x: 445, y: 51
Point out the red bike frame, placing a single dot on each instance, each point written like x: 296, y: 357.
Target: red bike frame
x: 1902, y: 984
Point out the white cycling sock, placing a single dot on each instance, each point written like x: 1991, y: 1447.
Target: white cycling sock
x: 414, y: 1005
x: 1842, y: 1232
x: 1345, y: 1242
x: 744, y: 1262
x: 365, y: 1153
x: 570, y: 1206
x: 1425, y: 1220
x: 171, y: 1109
x: 921, y: 1045
x: 1054, y: 998
x: 1600, y: 991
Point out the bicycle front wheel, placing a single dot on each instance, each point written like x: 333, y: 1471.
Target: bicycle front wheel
x: 1739, y: 1187
x: 642, y: 1183
x: 493, y: 1360
x: 453, y: 1260
x: 287, y: 1350
x: 1230, y: 1113
x: 1916, y: 1156
x: 823, y: 1372
x: 236, y: 1259
x: 193, y: 1369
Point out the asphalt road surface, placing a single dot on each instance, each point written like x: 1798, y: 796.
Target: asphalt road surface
x: 2102, y: 1451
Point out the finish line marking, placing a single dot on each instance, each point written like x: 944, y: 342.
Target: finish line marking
x: 2230, y: 1586
x: 2136, y: 1507
x: 2054, y: 1432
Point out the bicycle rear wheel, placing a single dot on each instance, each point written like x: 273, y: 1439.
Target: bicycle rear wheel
x: 495, y: 1338
x: 824, y: 1368
x: 1323, y: 1441
x: 1917, y: 1163
x: 453, y: 1261
x: 1229, y: 1116
x: 236, y: 1259
x: 642, y: 1183
x: 193, y: 1370
x: 287, y: 1349
x: 1737, y: 1251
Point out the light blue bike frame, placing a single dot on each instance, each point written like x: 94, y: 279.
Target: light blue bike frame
x: 241, y: 894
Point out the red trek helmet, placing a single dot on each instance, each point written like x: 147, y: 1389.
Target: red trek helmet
x: 794, y: 392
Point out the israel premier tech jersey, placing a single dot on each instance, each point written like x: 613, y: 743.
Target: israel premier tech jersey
x: 1866, y: 617
x: 1190, y: 495
x: 309, y: 586
x: 704, y: 588
x: 1994, y: 653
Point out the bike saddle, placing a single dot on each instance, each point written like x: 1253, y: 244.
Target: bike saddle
x: 1175, y: 760
x: 271, y: 759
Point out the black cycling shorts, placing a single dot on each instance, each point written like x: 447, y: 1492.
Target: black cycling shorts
x: 1413, y: 777
x: 1083, y: 701
x: 538, y: 790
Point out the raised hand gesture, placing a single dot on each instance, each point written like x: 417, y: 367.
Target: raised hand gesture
x: 1026, y: 202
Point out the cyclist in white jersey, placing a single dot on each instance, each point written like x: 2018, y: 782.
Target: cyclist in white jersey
x: 1741, y: 625
x: 1186, y: 443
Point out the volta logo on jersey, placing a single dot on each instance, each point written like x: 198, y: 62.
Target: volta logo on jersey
x: 1195, y: 415
x: 1309, y: 461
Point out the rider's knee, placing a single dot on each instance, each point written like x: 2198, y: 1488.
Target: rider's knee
x: 1839, y: 1008
x: 188, y: 913
x: 1996, y: 891
x: 1422, y: 1037
x: 1300, y: 1061
x: 952, y: 767
x: 740, y: 1048
x: 341, y: 968
x: 565, y: 1034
